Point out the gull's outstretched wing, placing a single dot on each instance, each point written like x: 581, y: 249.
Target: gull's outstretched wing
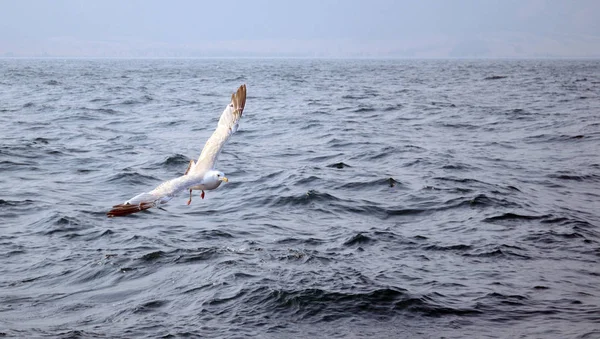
x: 228, y: 124
x: 158, y: 196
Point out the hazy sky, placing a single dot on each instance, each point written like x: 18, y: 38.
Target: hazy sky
x: 329, y: 28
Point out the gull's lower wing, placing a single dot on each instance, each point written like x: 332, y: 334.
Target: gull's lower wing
x: 158, y: 196
x: 136, y: 204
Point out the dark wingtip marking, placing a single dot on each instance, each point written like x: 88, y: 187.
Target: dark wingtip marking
x: 239, y: 99
x: 126, y: 209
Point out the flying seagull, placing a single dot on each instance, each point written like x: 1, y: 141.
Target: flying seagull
x: 199, y: 175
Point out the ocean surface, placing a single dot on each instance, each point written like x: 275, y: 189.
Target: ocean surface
x: 367, y: 199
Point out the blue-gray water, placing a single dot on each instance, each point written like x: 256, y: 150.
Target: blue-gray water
x: 455, y: 199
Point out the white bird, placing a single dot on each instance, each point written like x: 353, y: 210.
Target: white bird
x: 200, y: 175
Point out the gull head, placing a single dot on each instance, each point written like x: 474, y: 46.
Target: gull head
x: 214, y: 178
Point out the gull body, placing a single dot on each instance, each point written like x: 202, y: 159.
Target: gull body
x: 201, y: 174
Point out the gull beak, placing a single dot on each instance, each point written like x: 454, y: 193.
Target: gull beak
x: 224, y: 179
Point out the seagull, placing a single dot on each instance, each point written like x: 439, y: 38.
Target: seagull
x: 200, y: 175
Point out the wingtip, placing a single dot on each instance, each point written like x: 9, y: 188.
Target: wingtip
x: 239, y: 99
x: 126, y: 209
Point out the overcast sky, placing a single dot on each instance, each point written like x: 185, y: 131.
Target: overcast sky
x: 306, y: 28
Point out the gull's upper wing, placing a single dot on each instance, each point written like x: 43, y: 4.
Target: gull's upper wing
x: 228, y: 124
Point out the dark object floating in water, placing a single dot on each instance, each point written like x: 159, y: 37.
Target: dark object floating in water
x: 442, y: 104
x: 43, y: 141
x: 339, y: 165
x: 392, y: 182
x: 495, y: 77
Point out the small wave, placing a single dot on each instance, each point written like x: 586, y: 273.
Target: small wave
x: 369, y: 185
x: 133, y: 178
x: 7, y: 164
x: 393, y: 108
x: 51, y: 82
x: 236, y: 79
x: 495, y: 297
x: 301, y: 200
x: 459, y: 167
x: 130, y: 102
x: 40, y: 140
x: 460, y: 126
x: 384, y: 236
x: 311, y: 126
x: 336, y: 143
x: 514, y: 217
x: 384, y: 153
x: 322, y: 305
x: 107, y: 232
x: 307, y: 180
x: 355, y: 97
x: 58, y: 223
x: 459, y: 248
x: 152, y: 256
x: 105, y: 110
x: 443, y: 104
x: 301, y: 241
x: 363, y: 110
x: 150, y: 306
x: 554, y: 138
x: 99, y: 100
x: 553, y: 237
x: 15, y: 202
x: 504, y: 251
x: 177, y: 160
x: 297, y: 255
x: 339, y: 165
x: 191, y: 256
x: 311, y: 303
x: 483, y: 200
x: 380, y: 212
x: 571, y: 177
x: 358, y: 239
x: 495, y: 77
x: 461, y: 180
